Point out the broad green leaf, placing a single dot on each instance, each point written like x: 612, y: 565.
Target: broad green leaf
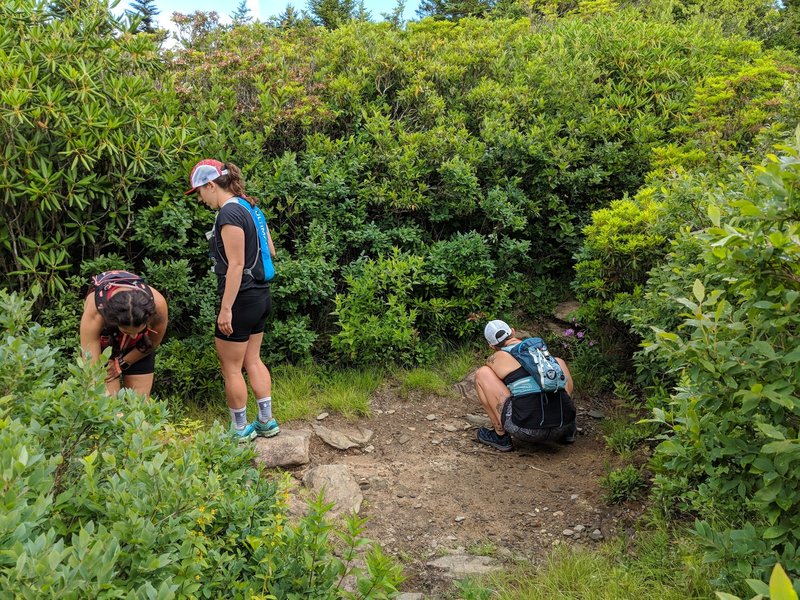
x: 780, y: 587
x: 699, y: 290
x: 714, y: 214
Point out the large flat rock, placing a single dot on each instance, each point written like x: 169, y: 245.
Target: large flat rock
x: 459, y: 566
x: 287, y: 449
x: 338, y: 486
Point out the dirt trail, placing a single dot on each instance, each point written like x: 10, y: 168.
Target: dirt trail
x: 430, y: 489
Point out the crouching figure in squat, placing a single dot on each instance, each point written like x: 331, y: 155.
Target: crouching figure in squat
x: 523, y: 391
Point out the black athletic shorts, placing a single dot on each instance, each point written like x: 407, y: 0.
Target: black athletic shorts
x: 249, y: 312
x: 145, y: 366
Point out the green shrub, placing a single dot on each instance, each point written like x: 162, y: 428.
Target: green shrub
x: 623, y: 436
x: 83, y: 127
x: 376, y: 320
x: 623, y: 484
x: 730, y: 452
x: 103, y: 498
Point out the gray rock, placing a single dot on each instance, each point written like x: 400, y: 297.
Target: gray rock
x: 361, y: 435
x: 568, y: 532
x: 322, y: 416
x: 342, y: 440
x: 287, y: 449
x: 431, y: 417
x: 478, y: 420
x: 565, y: 309
x: 462, y: 565
x: 596, y: 414
x: 338, y: 486
x: 596, y: 535
x: 450, y: 428
x: 579, y: 528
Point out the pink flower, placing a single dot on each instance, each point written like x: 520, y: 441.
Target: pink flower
x: 569, y: 332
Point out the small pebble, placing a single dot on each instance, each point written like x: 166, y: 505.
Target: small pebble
x: 573, y: 497
x: 568, y: 532
x: 412, y: 428
x: 579, y: 528
x: 460, y: 518
x: 450, y: 428
x: 322, y: 416
x: 596, y: 535
x: 558, y: 513
x: 436, y: 442
x: 596, y: 414
x: 418, y: 505
x: 390, y: 412
x: 369, y: 449
x: 431, y: 417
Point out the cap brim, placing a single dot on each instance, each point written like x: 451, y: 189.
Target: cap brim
x: 190, y: 191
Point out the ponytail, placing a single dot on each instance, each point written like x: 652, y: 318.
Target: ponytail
x: 233, y: 183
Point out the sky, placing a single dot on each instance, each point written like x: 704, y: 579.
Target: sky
x: 264, y: 9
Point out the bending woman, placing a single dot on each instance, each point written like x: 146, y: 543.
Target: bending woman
x: 244, y: 295
x: 122, y: 312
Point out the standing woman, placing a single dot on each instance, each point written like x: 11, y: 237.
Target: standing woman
x: 122, y: 312
x: 243, y: 267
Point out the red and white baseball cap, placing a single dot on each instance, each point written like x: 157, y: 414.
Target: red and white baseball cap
x: 206, y: 170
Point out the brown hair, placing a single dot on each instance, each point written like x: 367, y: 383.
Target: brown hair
x: 233, y: 183
x: 131, y: 308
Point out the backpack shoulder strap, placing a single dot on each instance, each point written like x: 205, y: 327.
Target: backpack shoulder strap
x: 251, y: 211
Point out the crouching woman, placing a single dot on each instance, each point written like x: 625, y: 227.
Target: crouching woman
x: 515, y: 403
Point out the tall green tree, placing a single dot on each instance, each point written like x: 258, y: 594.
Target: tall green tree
x: 453, y: 10
x: 242, y: 14
x: 146, y: 11
x: 332, y: 13
x: 396, y: 16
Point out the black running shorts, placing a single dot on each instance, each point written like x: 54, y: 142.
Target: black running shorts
x: 145, y: 366
x: 250, y: 310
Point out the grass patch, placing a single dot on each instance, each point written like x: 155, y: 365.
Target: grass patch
x: 657, y: 566
x: 294, y: 391
x: 459, y: 363
x: 422, y: 380
x: 347, y: 392
x: 483, y: 548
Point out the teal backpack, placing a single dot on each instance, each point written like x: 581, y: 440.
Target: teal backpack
x: 535, y: 358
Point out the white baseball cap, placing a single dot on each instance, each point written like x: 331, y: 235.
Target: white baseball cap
x: 206, y: 170
x: 496, y: 332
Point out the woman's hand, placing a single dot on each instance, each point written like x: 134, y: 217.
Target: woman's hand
x: 114, y: 370
x: 224, y: 321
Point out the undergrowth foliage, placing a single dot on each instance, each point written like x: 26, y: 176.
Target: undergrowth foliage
x: 731, y: 453
x: 100, y: 497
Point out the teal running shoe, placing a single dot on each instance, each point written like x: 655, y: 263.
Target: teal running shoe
x: 268, y: 429
x: 246, y: 434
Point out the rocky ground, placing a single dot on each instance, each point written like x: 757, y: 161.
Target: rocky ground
x: 445, y: 505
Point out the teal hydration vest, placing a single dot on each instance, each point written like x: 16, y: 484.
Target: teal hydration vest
x: 267, y: 271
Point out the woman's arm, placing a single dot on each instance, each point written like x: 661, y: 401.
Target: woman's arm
x: 233, y: 241
x: 92, y: 324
